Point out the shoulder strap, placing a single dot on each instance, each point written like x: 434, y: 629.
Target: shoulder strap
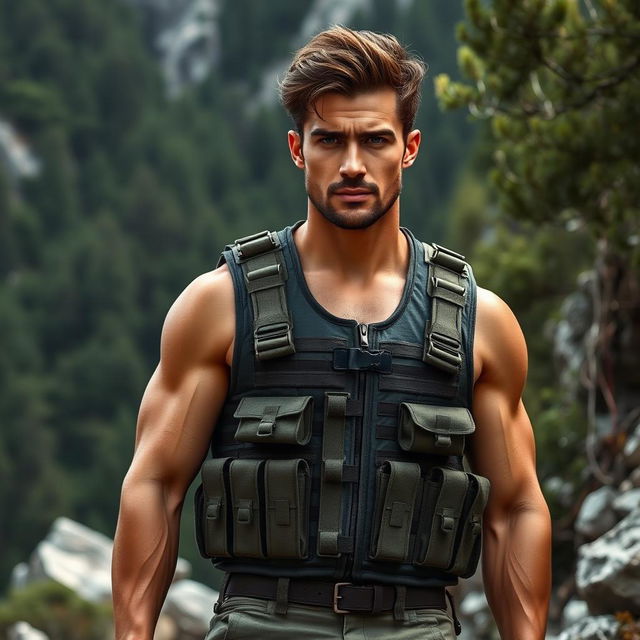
x: 260, y: 258
x: 447, y: 286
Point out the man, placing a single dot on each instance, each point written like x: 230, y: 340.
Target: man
x: 339, y: 359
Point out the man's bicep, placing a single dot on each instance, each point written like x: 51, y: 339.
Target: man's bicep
x: 187, y: 390
x: 502, y: 447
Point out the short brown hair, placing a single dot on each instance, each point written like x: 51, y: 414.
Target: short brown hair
x: 341, y: 60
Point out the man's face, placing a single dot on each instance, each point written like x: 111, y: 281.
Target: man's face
x: 353, y: 152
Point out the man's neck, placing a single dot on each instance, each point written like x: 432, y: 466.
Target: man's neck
x: 357, y: 255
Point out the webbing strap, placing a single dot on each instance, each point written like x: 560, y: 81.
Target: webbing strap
x: 330, y: 516
x: 447, y: 287
x: 260, y: 257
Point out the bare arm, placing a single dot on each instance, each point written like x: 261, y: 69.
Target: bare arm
x: 517, y: 528
x: 177, y: 413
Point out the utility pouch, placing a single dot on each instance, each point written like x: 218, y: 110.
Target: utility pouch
x: 397, y: 487
x: 278, y: 420
x: 446, y: 490
x: 441, y: 431
x: 287, y: 486
x: 449, y: 537
x: 468, y: 552
x: 211, y: 510
x: 244, y: 478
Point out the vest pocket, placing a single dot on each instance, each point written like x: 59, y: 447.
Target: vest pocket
x: 277, y: 420
x: 433, y: 429
x: 211, y: 509
x: 449, y: 533
x: 244, y: 479
x: 287, y: 486
x: 397, y: 485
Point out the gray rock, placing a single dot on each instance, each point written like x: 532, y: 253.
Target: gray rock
x: 78, y: 558
x: 608, y: 569
x: 24, y: 631
x: 574, y: 611
x: 632, y: 448
x: 474, y: 603
x: 190, y: 605
x: 592, y: 628
x: 626, y: 502
x: 596, y: 513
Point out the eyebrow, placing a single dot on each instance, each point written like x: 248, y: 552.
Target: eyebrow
x: 339, y: 134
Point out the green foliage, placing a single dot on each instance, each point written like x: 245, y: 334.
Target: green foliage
x: 557, y: 83
x: 56, y: 611
x: 561, y: 86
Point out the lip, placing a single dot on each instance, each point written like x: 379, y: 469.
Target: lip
x: 353, y: 195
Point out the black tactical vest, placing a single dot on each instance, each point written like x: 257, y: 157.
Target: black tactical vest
x: 338, y: 452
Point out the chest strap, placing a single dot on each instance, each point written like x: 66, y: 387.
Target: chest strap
x: 260, y: 257
x: 447, y: 287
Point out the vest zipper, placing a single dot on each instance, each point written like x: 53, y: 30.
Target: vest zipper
x: 363, y: 335
x: 361, y: 449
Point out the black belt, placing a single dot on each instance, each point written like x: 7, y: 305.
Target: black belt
x: 342, y: 597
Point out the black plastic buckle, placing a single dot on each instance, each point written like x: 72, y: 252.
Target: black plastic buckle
x: 271, y: 338
x: 355, y: 359
x: 337, y: 596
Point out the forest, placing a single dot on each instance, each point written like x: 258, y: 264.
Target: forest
x: 530, y: 167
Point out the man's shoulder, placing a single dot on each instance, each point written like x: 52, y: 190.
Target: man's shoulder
x: 499, y: 339
x: 200, y: 324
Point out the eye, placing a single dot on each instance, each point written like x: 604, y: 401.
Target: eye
x: 328, y: 140
x: 376, y: 140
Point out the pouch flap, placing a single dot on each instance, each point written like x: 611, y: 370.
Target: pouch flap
x: 254, y: 407
x: 444, y: 420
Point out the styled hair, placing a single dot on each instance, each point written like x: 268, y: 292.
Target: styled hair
x: 341, y: 60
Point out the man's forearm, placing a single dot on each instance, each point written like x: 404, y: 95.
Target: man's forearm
x: 144, y: 557
x: 517, y: 571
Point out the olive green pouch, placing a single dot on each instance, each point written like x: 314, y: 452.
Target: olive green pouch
x: 244, y: 478
x: 443, y: 510
x: 424, y: 428
x: 278, y: 420
x: 287, y: 485
x: 468, y: 549
x: 211, y: 502
x: 397, y: 487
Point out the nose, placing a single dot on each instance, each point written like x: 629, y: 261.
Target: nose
x: 352, y: 164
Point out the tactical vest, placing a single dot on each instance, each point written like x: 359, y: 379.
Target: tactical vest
x: 338, y: 452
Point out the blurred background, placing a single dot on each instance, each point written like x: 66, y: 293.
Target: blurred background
x: 138, y: 137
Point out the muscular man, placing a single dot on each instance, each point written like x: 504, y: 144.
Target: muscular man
x: 346, y: 368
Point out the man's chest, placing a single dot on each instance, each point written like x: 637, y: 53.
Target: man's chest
x: 366, y: 303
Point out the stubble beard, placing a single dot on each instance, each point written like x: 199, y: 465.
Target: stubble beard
x: 354, y: 217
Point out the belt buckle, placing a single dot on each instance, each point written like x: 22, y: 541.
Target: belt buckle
x: 337, y: 596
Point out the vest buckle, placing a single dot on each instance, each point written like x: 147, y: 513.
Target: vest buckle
x: 273, y: 340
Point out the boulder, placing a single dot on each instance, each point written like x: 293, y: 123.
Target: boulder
x: 574, y: 611
x: 596, y: 514
x: 626, y: 502
x: 77, y: 557
x: 190, y: 605
x: 608, y: 569
x: 632, y: 448
x: 24, y: 631
x: 592, y: 628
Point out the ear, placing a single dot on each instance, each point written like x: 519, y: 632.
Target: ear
x: 295, y: 148
x: 411, y: 148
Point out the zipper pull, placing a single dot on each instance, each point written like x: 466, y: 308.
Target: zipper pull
x: 363, y: 334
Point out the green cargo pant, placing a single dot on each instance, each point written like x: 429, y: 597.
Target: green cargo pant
x: 243, y: 618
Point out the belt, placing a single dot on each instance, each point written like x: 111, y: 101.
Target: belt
x: 342, y: 597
